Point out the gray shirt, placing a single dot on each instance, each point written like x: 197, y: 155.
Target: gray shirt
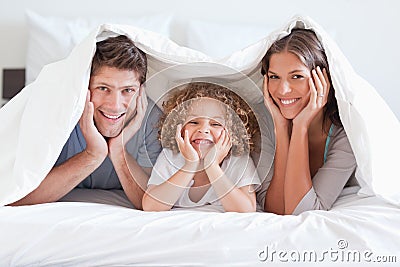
x: 335, y: 178
x: 264, y: 150
x: 144, y: 146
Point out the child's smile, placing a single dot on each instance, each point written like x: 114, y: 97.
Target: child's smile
x: 205, y: 123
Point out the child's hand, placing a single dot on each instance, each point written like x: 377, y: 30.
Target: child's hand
x: 219, y: 151
x: 319, y: 90
x: 185, y: 147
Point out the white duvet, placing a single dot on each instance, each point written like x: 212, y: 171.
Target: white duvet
x: 90, y: 234
x: 36, y: 123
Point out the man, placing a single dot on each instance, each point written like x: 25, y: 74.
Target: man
x: 115, y: 143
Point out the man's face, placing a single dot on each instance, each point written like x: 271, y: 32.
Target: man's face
x: 112, y: 91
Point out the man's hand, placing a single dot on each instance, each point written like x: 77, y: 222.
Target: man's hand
x: 117, y: 144
x: 96, y: 145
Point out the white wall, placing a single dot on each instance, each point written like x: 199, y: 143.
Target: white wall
x: 366, y: 30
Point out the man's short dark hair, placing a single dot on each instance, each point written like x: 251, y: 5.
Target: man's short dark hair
x: 121, y: 53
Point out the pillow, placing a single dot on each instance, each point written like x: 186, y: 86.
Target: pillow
x: 219, y: 40
x: 52, y: 38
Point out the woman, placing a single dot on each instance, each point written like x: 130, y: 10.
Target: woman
x: 313, y: 158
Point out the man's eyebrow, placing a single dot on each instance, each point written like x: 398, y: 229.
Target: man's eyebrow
x: 136, y: 86
x: 102, y: 83
x: 131, y: 86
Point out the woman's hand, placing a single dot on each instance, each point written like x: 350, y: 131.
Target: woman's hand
x: 220, y: 150
x: 319, y: 90
x: 277, y: 116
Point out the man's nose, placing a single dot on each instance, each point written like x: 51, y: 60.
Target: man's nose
x: 114, y: 100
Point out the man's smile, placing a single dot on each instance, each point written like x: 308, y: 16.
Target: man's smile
x: 113, y: 117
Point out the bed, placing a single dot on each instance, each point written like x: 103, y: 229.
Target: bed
x: 100, y: 228
x: 356, y: 231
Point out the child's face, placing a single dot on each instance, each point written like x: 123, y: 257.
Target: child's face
x: 205, y: 123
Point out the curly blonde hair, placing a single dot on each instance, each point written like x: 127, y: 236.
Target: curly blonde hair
x: 241, y: 121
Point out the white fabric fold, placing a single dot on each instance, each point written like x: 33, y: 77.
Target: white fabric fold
x: 37, y: 122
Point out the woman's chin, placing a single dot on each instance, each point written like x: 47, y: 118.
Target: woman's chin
x: 289, y: 115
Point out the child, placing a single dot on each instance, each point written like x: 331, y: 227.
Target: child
x: 205, y: 134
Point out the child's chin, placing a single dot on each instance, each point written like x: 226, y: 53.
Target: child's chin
x: 203, y: 151
x: 202, y: 154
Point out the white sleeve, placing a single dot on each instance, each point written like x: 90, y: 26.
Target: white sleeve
x: 167, y: 164
x: 241, y: 171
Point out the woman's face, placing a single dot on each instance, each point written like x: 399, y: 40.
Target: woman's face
x: 288, y: 83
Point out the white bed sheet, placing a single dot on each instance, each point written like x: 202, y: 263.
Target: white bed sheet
x: 93, y: 234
